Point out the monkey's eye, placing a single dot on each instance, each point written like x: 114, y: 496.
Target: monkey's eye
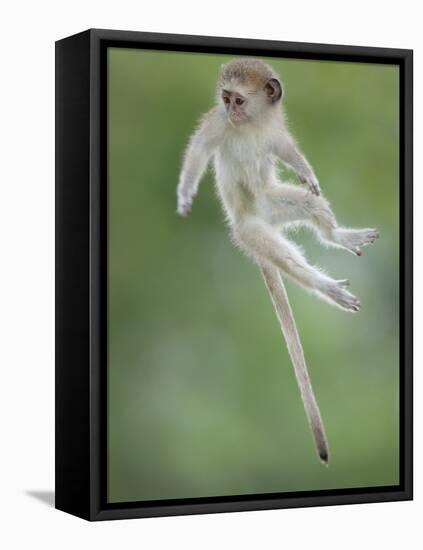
x: 239, y: 101
x: 226, y: 100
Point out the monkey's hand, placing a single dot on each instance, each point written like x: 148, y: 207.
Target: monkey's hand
x: 311, y: 181
x: 184, y: 204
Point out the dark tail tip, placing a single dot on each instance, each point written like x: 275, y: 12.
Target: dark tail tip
x: 324, y: 457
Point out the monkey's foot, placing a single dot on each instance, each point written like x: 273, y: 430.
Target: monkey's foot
x: 336, y: 292
x: 354, y: 239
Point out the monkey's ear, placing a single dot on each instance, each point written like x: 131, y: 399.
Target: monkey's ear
x: 273, y: 90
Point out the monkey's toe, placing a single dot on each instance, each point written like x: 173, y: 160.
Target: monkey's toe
x: 365, y: 237
x: 354, y: 239
x: 342, y: 297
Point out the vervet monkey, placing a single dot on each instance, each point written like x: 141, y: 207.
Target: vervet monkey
x: 245, y: 134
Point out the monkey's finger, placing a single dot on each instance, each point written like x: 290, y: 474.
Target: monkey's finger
x: 184, y: 206
x: 312, y: 184
x: 183, y: 210
x: 315, y: 189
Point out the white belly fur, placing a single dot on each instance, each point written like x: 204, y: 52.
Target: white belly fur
x: 242, y: 177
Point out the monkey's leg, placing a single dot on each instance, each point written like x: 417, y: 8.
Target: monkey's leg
x: 288, y: 203
x: 283, y: 310
x: 265, y: 243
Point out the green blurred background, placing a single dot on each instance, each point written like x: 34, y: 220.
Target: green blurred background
x: 202, y: 399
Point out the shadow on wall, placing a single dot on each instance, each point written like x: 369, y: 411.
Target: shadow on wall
x: 46, y: 497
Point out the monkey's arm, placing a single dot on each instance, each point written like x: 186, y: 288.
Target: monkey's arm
x: 286, y: 149
x: 197, y: 156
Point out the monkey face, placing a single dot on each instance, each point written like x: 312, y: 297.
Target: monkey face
x: 248, y: 88
x: 236, y: 106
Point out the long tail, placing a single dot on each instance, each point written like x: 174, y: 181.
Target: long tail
x: 283, y: 309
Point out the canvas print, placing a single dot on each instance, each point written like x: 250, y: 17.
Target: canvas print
x: 253, y: 275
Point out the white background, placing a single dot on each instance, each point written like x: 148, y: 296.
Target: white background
x: 29, y: 29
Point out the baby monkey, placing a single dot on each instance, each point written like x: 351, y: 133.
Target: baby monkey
x: 245, y: 134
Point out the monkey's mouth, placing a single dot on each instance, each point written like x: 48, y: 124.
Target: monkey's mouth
x: 236, y: 119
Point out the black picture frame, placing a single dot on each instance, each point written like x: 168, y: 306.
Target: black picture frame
x: 81, y: 273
